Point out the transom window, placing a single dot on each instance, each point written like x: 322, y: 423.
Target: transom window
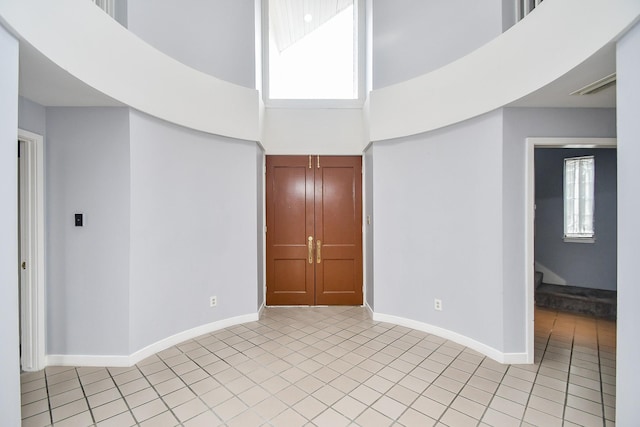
x: 579, y: 189
x: 312, y: 50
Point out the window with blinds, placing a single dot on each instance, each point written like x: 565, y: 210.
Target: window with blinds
x: 579, y: 200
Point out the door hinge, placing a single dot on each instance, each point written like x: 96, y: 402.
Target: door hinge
x: 265, y: 229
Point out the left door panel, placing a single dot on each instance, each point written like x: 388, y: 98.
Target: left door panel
x: 290, y: 223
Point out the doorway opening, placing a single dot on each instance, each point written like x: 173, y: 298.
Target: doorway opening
x: 31, y: 250
x: 314, y: 230
x: 530, y: 258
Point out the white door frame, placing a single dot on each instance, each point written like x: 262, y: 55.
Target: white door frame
x: 32, y: 277
x: 531, y: 144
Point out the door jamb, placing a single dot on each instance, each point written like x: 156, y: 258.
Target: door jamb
x: 531, y: 144
x: 33, y: 292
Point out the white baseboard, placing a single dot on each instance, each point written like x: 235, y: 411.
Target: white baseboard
x: 124, y: 361
x: 369, y: 309
x: 86, y: 360
x: 261, y: 310
x: 498, y: 356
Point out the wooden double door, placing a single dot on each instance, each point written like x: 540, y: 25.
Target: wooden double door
x: 314, y: 230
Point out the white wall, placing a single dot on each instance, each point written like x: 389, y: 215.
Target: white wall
x: 31, y: 116
x: 9, y: 356
x: 628, y: 338
x: 87, y: 171
x: 414, y: 37
x: 193, y: 229
x: 314, y: 131
x: 216, y: 37
x: 427, y: 245
x: 260, y: 175
x: 368, y: 228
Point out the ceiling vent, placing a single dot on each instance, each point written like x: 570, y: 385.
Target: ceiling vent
x: 597, y: 86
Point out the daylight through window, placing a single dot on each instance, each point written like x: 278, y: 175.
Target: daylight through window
x: 579, y: 183
x: 312, y: 49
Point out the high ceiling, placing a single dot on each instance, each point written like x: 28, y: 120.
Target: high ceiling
x: 291, y: 20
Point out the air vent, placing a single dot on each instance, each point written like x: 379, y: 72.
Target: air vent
x: 597, y: 86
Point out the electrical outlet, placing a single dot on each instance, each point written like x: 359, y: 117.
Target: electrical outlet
x: 437, y: 304
x: 213, y: 301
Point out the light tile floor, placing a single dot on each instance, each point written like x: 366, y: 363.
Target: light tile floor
x: 334, y: 366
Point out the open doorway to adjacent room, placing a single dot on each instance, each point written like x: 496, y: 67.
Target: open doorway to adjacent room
x: 31, y: 250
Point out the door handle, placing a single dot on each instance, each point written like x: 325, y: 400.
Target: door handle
x: 318, y: 253
x: 24, y: 265
x: 310, y: 247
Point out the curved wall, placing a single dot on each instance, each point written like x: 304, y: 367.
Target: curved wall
x: 91, y: 46
x: 551, y: 41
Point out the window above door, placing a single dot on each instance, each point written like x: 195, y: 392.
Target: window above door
x: 312, y: 53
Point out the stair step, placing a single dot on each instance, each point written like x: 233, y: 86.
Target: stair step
x: 593, y: 302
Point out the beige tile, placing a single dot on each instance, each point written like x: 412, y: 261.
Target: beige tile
x: 169, y: 386
x: 309, y: 407
x: 269, y: 408
x: 349, y: 407
x: 582, y: 418
x: 103, y: 397
x: 35, y: 408
x: 122, y: 420
x: 110, y: 409
x: 289, y: 418
x: 66, y: 397
x: 452, y: 417
x: 178, y: 397
x: 165, y: 419
x: 414, y: 418
x: 429, y: 407
x: 331, y: 418
x: 439, y: 395
x: 206, y: 419
x: 389, y: 407
x: 140, y: 397
x: 584, y: 405
x: 371, y: 417
x: 538, y: 418
x: 507, y: 407
x: 246, y: 419
x: 33, y: 396
x: 365, y: 394
x: 254, y: 395
x: 290, y: 395
x: 149, y: 410
x: 229, y: 408
x: 189, y: 409
x: 82, y: 419
x: 41, y: 420
x: 499, y: 419
x: 468, y: 407
x: 553, y: 408
x: 68, y: 410
x: 215, y: 397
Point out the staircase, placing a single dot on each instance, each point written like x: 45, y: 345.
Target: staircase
x: 591, y: 302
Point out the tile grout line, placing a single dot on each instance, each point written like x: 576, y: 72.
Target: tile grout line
x: 86, y: 398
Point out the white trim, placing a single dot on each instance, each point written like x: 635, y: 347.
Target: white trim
x: 261, y: 310
x: 189, y: 334
x: 32, y: 299
x: 150, y: 350
x: 369, y: 309
x: 529, y: 250
x: 510, y: 358
x: 88, y: 360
